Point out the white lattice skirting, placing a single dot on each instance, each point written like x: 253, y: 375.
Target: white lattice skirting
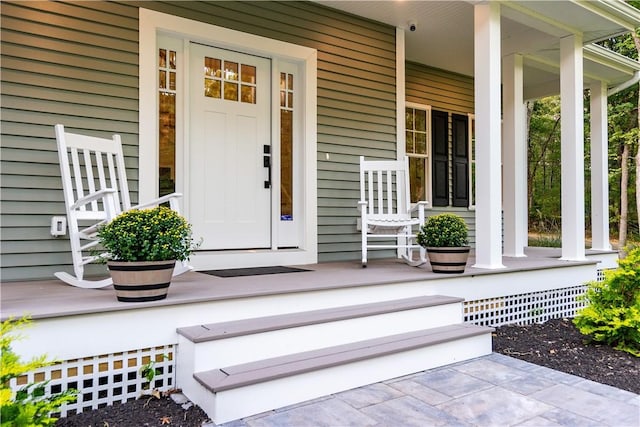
x: 106, y: 379
x: 524, y: 309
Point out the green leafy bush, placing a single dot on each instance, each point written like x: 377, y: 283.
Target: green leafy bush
x: 443, y: 230
x: 28, y: 406
x: 613, y: 312
x: 155, y: 234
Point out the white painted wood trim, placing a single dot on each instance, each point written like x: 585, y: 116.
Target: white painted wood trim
x: 599, y: 168
x: 514, y: 157
x: 151, y: 23
x: 400, y: 93
x: 572, y: 148
x: 488, y: 135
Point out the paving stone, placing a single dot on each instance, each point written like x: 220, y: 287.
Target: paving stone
x: 236, y: 423
x: 606, y: 391
x: 297, y: 405
x: 369, y: 395
x: 420, y: 392
x: 408, y: 411
x: 567, y: 418
x: 528, y: 384
x: 328, y: 413
x: 557, y: 376
x: 512, y: 362
x: 451, y: 382
x: 604, y: 410
x: 495, y: 407
x: 487, y: 370
x: 538, y: 422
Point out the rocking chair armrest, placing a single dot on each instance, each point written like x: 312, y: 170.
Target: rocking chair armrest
x: 158, y: 201
x: 421, y: 205
x: 361, y: 204
x: 101, y: 194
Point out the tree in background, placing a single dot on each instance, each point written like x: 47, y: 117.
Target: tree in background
x: 543, y: 175
x: 624, y: 122
x: 624, y: 154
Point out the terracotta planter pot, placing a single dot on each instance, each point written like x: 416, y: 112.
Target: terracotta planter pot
x: 448, y: 260
x: 142, y: 280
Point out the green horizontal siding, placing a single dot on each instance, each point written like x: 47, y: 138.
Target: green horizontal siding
x: 74, y: 63
x: 442, y: 90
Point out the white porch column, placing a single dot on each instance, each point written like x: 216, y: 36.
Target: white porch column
x: 599, y: 168
x: 488, y: 135
x: 514, y: 158
x: 572, y: 148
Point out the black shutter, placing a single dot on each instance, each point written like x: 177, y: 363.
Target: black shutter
x: 440, y: 157
x: 460, y: 134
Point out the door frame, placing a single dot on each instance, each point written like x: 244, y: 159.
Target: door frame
x: 154, y: 23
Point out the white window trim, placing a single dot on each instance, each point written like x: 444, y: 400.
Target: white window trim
x: 429, y: 175
x: 151, y: 23
x: 472, y: 161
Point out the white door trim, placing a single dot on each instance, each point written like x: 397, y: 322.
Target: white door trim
x: 151, y: 24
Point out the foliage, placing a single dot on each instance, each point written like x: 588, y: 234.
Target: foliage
x: 28, y: 406
x: 546, y: 241
x: 613, y: 313
x: 148, y: 371
x: 154, y: 234
x: 623, y: 132
x: 543, y: 150
x: 443, y: 230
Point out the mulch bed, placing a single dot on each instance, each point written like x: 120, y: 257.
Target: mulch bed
x: 556, y: 344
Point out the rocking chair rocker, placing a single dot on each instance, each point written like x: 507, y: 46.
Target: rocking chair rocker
x: 95, y: 191
x: 386, y: 211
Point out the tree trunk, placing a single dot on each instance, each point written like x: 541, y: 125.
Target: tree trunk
x: 624, y: 208
x: 636, y: 41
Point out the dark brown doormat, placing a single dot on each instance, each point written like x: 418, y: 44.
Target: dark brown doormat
x: 255, y: 271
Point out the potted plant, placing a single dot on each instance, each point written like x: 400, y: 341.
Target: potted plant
x: 446, y: 239
x: 143, y: 246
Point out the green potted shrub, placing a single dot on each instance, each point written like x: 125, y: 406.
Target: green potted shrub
x: 445, y: 236
x: 143, y: 246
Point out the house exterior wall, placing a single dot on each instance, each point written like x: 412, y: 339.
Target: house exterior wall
x: 444, y: 91
x: 76, y: 63
x: 70, y: 63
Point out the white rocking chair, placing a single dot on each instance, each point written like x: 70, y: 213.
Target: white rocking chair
x: 95, y: 191
x: 385, y: 209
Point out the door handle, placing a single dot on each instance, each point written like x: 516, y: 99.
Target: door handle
x: 266, y: 162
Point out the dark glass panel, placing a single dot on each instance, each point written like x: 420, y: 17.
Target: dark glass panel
x: 167, y: 143
x: 286, y: 165
x: 162, y: 58
x: 212, y: 88
x: 230, y: 91
x: 248, y: 74
x: 230, y: 70
x: 248, y: 94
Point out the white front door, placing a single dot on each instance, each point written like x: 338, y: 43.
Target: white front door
x: 230, y: 147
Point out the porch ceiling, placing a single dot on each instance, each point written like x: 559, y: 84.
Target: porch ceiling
x: 532, y: 28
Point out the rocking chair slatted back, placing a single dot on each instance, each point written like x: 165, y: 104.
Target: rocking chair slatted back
x: 383, y: 185
x: 87, y: 157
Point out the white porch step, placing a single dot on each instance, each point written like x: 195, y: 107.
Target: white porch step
x: 238, y: 391
x: 239, y: 368
x: 242, y: 341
